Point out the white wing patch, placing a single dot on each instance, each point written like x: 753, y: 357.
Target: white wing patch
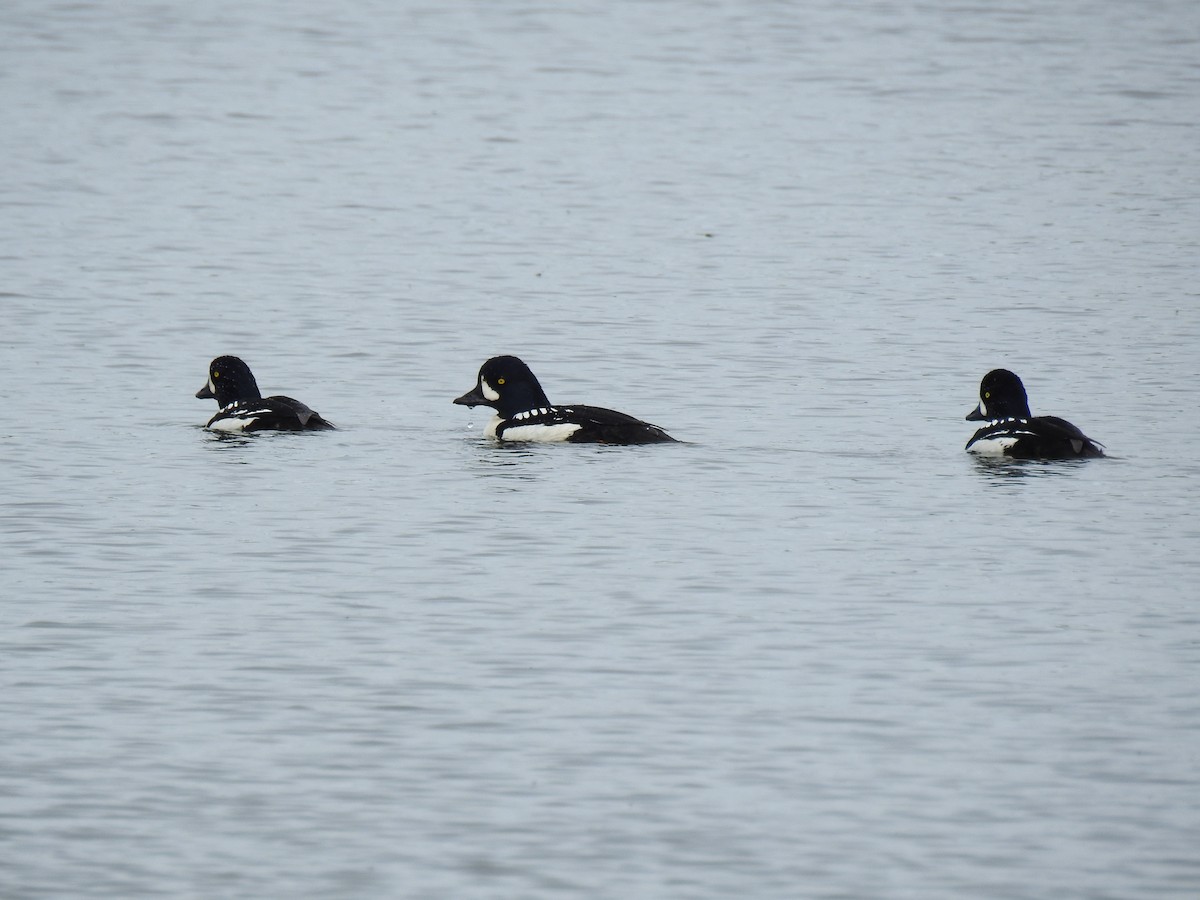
x: 530, y: 413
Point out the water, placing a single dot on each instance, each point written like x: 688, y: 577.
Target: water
x: 816, y: 650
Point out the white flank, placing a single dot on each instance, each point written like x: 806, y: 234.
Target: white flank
x: 230, y: 423
x: 488, y: 391
x: 994, y: 446
x: 541, y: 432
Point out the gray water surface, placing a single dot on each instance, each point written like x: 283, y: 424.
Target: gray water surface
x: 816, y: 650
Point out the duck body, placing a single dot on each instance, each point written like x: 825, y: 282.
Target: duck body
x: 1012, y: 431
x: 523, y: 413
x: 244, y: 409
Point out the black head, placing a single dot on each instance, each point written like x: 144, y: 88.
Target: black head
x: 505, y: 384
x: 229, y: 380
x: 1001, y: 396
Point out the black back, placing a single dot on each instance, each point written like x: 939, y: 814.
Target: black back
x: 597, y: 425
x: 1040, y: 437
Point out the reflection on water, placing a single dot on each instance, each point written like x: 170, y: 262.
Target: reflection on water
x: 492, y: 459
x: 1003, y: 469
x: 223, y: 440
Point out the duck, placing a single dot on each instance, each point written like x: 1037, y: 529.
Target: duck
x: 523, y: 413
x: 243, y: 408
x: 1013, y: 431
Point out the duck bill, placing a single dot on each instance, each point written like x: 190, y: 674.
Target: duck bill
x: 976, y: 415
x: 205, y: 393
x: 473, y: 397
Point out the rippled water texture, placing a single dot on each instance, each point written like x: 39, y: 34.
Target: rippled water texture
x: 816, y: 650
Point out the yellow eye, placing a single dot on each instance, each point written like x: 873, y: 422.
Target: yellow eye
x: 216, y: 374
x: 499, y: 381
x: 987, y: 395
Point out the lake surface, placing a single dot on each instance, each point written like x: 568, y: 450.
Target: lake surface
x: 816, y: 650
